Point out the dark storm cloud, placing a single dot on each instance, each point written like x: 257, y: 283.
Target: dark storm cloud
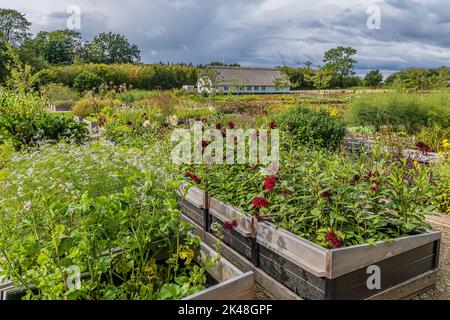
x: 263, y: 32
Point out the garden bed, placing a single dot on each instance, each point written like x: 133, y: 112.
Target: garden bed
x: 226, y: 282
x: 314, y: 272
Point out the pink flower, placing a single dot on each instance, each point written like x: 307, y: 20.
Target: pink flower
x: 260, y: 202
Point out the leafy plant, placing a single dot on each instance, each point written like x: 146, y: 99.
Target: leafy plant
x: 87, y: 81
x: 314, y: 128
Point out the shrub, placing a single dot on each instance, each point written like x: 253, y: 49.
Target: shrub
x: 401, y: 111
x: 147, y: 77
x: 24, y: 120
x: 87, y: 81
x: 90, y: 105
x: 311, y: 127
x: 442, y: 187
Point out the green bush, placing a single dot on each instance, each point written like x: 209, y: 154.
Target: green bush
x: 433, y: 137
x: 87, y: 81
x: 90, y: 105
x: 24, y: 121
x: 313, y: 128
x: 146, y: 77
x: 401, y: 111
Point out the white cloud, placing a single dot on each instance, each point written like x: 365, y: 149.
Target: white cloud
x: 262, y: 32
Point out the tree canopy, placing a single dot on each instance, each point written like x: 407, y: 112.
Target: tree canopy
x: 14, y: 27
x: 340, y: 60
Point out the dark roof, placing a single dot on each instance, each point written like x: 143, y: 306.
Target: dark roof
x: 245, y: 76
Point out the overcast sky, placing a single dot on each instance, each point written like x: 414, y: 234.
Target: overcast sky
x: 262, y: 32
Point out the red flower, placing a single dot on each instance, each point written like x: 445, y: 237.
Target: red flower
x: 194, y: 178
x: 231, y: 124
x: 230, y: 225
x: 325, y: 195
x: 269, y: 183
x: 333, y: 239
x: 376, y: 186
x: 260, y: 202
x: 219, y: 126
x: 273, y: 125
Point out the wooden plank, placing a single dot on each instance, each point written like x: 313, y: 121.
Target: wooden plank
x: 236, y: 289
x: 192, y: 211
x: 302, y: 252
x: 410, y: 288
x: 394, y: 271
x: 347, y: 260
x: 270, y: 286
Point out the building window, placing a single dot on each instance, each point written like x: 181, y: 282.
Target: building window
x: 249, y: 88
x: 225, y: 88
x: 263, y: 88
x: 256, y: 88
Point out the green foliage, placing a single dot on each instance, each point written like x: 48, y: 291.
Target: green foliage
x: 14, y: 27
x: 442, y: 186
x: 147, y: 77
x: 312, y: 128
x: 88, y: 207
x: 111, y: 48
x: 420, y: 79
x: 401, y: 111
x: 59, y: 95
x: 373, y: 78
x: 433, y: 137
x: 87, y: 81
x: 91, y: 105
x: 25, y: 121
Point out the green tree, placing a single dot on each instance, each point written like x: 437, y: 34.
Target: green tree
x: 5, y: 59
x: 340, y: 61
x: 111, y: 48
x: 58, y: 47
x: 373, y: 79
x: 14, y: 27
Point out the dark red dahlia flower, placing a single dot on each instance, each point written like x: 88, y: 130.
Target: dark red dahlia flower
x: 422, y: 147
x: 260, y: 202
x: 231, y: 124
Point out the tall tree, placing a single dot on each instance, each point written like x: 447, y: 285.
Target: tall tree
x: 374, y: 78
x: 340, y: 60
x: 14, y: 27
x: 111, y: 48
x: 58, y: 47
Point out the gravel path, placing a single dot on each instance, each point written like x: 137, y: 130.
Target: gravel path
x: 442, y: 290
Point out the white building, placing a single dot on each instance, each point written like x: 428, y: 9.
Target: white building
x: 242, y: 80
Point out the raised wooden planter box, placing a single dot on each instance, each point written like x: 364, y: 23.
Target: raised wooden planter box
x: 316, y: 273
x: 227, y: 282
